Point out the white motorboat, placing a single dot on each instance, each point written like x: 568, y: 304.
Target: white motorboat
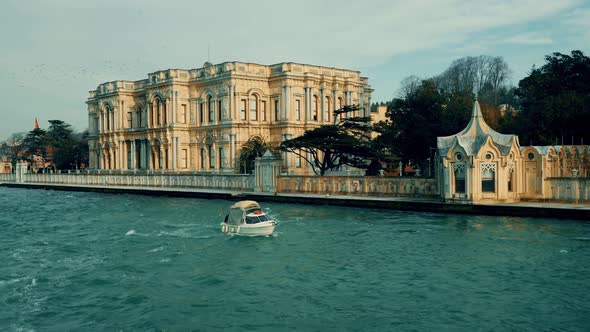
x: 247, y: 218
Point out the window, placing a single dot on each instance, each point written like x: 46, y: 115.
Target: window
x: 276, y: 110
x: 201, y: 112
x: 183, y: 161
x: 211, y: 105
x: 253, y: 108
x: 203, y: 158
x: 459, y: 178
x: 340, y: 106
x: 488, y: 177
x: 219, y: 110
x: 182, y: 115
x: 531, y: 156
x: 221, y: 158
x: 510, y: 176
x: 129, y: 120
x: 243, y: 109
x: 128, y: 147
x: 314, y: 108
x: 139, y: 118
x: 263, y: 110
x: 159, y: 113
x: 297, y: 109
x: 164, y: 114
x: 298, y: 161
x: 211, y: 157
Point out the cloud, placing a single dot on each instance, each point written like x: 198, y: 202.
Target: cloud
x: 84, y: 43
x: 532, y: 38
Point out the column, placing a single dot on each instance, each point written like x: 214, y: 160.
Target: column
x: 148, y: 154
x: 231, y: 102
x: 232, y: 143
x: 135, y: 159
x: 121, y: 116
x: 121, y: 161
x: 175, y: 107
x: 100, y: 161
x: 306, y: 101
x: 283, y: 103
x: 174, y: 148
x: 168, y: 111
x: 362, y: 104
x: 286, y: 154
x: 322, y: 110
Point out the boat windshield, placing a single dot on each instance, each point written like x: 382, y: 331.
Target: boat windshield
x: 254, y: 219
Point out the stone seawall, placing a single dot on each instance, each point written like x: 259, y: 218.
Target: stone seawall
x: 545, y: 210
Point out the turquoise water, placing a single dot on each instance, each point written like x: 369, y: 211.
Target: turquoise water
x: 76, y: 261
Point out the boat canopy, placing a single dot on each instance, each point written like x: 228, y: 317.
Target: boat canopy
x: 243, y: 205
x: 242, y: 209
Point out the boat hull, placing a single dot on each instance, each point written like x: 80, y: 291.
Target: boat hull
x: 262, y: 228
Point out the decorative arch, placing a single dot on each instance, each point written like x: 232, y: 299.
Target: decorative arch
x: 253, y: 101
x: 315, y: 107
x: 329, y: 108
x: 158, y: 111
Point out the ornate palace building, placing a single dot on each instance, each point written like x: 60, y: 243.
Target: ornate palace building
x: 480, y: 165
x: 198, y: 119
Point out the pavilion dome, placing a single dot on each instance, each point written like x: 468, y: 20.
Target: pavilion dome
x: 475, y: 135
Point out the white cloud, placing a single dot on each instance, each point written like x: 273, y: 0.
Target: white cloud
x: 532, y: 38
x: 83, y: 43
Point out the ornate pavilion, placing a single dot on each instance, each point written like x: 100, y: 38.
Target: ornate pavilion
x: 480, y: 165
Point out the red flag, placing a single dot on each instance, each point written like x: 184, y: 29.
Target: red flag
x: 36, y: 123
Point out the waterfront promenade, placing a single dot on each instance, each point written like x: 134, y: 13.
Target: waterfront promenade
x: 522, y: 209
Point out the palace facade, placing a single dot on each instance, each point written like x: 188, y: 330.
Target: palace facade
x: 198, y: 119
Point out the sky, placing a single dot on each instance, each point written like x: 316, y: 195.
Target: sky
x: 54, y: 52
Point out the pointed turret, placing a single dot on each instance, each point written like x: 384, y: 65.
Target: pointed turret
x: 475, y: 135
x: 36, y: 123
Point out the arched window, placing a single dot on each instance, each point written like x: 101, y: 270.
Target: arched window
x: 314, y: 108
x: 159, y: 111
x: 211, y: 156
x: 253, y: 103
x: 201, y: 113
x: 459, y: 173
x: 488, y: 177
x: 211, y: 108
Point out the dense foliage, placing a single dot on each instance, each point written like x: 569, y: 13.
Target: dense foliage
x: 253, y: 148
x: 58, y: 145
x: 555, y: 100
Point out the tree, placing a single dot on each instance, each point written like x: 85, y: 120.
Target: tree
x: 346, y: 142
x: 64, y: 144
x: 253, y: 148
x: 36, y: 145
x: 14, y: 148
x: 555, y: 100
x: 415, y: 123
x: 81, y: 150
